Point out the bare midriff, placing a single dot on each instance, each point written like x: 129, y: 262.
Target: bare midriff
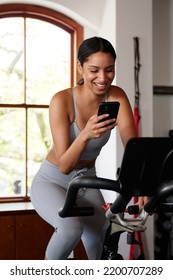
x: 85, y: 164
x: 81, y: 164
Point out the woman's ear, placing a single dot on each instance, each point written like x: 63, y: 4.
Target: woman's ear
x: 79, y: 67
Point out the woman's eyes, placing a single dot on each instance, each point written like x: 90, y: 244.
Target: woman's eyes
x: 97, y: 70
x: 109, y: 70
x: 94, y: 71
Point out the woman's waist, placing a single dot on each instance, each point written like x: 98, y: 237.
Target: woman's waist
x: 50, y: 172
x: 84, y: 163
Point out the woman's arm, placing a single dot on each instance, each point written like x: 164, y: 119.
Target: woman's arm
x: 66, y: 155
x: 125, y: 120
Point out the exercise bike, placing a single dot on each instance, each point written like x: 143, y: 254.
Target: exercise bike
x: 146, y: 170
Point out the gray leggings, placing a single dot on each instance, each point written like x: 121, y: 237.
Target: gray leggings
x: 48, y: 193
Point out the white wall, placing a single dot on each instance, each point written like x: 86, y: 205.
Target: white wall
x: 162, y: 115
x: 163, y: 42
x: 134, y: 18
x: 163, y: 65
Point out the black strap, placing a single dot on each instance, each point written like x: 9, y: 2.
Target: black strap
x: 136, y: 70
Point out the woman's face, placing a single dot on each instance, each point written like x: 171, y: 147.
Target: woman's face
x: 98, y: 72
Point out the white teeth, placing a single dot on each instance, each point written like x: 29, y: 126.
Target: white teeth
x: 100, y: 85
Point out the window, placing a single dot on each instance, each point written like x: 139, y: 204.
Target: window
x: 37, y: 54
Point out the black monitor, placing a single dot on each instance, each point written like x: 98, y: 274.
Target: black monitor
x: 147, y: 162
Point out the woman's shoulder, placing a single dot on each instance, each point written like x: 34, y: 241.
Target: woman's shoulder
x: 62, y: 93
x: 116, y: 92
x: 62, y: 96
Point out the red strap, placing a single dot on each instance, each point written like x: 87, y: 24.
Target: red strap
x: 136, y: 118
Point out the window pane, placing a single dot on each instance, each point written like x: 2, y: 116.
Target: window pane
x: 39, y: 139
x: 11, y: 60
x: 12, y: 152
x: 35, y: 63
x: 47, y: 60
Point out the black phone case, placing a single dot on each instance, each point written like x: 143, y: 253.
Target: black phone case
x: 110, y: 108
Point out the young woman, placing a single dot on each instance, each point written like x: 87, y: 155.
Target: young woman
x: 78, y: 135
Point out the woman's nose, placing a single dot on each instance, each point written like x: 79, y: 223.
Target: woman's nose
x: 102, y: 76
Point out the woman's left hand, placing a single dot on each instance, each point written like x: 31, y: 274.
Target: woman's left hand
x: 141, y: 201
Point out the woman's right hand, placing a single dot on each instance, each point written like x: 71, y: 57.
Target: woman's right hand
x: 97, y: 126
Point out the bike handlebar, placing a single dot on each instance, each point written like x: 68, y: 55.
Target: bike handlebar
x: 164, y: 190
x: 70, y: 209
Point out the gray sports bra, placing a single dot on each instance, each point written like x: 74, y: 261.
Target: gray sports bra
x: 94, y: 146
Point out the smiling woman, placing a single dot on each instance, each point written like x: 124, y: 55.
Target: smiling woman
x: 78, y: 138
x: 37, y: 50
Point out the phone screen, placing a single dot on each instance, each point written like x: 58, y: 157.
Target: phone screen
x: 110, y: 108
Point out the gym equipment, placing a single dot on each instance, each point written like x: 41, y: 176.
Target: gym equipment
x: 146, y: 170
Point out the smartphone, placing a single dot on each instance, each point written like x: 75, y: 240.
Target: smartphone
x: 110, y: 108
